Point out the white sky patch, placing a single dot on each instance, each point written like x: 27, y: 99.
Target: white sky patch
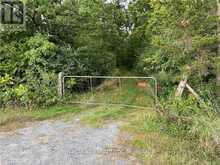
x: 124, y: 3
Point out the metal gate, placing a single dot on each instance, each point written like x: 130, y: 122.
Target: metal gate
x: 136, y: 92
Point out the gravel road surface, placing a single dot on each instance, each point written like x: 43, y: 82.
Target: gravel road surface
x: 61, y: 143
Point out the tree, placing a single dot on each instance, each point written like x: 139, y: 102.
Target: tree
x: 183, y: 40
x: 70, y: 36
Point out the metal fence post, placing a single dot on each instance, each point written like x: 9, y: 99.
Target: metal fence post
x: 91, y: 84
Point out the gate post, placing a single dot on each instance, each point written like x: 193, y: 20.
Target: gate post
x: 218, y: 52
x: 60, y: 85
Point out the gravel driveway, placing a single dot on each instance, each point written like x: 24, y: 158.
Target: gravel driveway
x: 61, y: 143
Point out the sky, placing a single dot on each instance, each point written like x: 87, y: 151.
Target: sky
x: 125, y: 3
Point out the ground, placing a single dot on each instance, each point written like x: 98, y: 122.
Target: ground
x: 112, y: 135
x: 54, y: 142
x: 98, y: 134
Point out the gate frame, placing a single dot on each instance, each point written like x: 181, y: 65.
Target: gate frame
x: 62, y: 86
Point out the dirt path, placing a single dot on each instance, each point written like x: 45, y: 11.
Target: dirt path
x: 59, y: 142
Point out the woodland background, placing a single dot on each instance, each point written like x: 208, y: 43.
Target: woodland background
x: 166, y: 39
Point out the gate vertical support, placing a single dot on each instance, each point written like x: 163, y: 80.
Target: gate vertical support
x: 91, y: 85
x: 60, y: 85
x: 156, y: 91
x: 120, y: 84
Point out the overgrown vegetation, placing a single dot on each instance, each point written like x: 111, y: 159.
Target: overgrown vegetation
x: 168, y: 143
x: 167, y: 39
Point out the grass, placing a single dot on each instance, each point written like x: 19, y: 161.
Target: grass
x: 93, y: 115
x: 110, y: 92
x: 11, y: 119
x: 153, y: 143
x: 99, y: 116
x: 156, y: 143
x: 157, y: 146
x: 129, y: 94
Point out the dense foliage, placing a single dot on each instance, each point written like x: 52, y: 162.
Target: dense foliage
x: 183, y: 41
x: 76, y: 37
x: 169, y: 39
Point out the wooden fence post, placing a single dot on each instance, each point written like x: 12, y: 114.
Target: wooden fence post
x: 218, y: 53
x: 60, y: 85
x: 181, y: 87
